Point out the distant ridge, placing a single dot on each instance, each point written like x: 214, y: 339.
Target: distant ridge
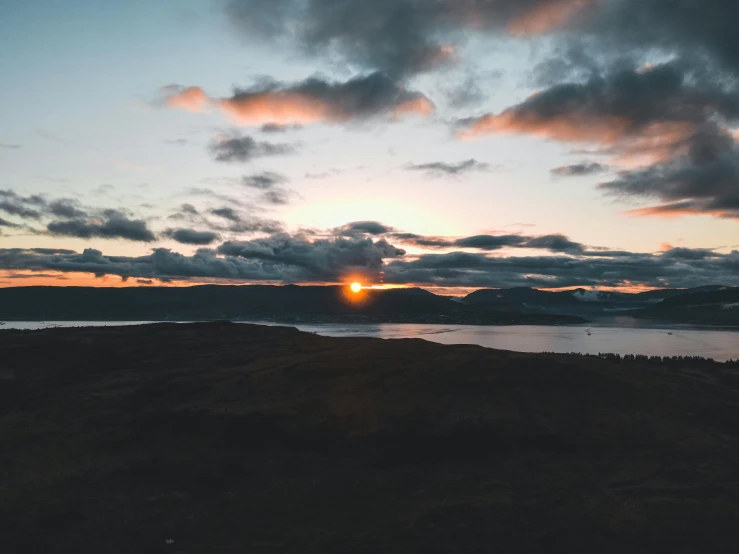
x: 713, y: 305
x: 291, y: 303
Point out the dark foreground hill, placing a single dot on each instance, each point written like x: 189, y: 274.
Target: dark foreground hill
x: 231, y: 438
x: 289, y: 303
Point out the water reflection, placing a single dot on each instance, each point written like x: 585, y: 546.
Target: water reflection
x: 622, y: 335
x: 709, y: 343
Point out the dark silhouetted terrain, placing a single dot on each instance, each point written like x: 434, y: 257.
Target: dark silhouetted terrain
x: 701, y: 306
x: 232, y: 438
x: 711, y: 305
x: 279, y: 303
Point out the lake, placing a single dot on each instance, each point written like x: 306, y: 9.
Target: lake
x: 625, y: 337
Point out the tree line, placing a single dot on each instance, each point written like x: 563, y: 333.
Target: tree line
x: 661, y: 360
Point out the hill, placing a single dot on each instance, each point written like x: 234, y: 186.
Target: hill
x: 334, y: 304
x: 237, y: 438
x: 713, y: 304
x: 256, y: 302
x: 718, y: 306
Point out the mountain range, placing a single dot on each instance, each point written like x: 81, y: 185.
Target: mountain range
x: 712, y: 304
x: 715, y: 305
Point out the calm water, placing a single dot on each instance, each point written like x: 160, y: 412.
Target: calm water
x: 618, y: 338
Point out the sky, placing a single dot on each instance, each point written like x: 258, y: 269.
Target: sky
x: 446, y: 144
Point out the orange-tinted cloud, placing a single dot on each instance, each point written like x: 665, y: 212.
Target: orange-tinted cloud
x: 680, y: 209
x: 656, y: 143
x: 283, y: 108
x: 192, y: 99
x: 547, y: 17
x: 629, y: 144
x: 60, y: 279
x: 565, y: 127
x: 311, y: 101
x: 420, y: 106
x: 640, y: 117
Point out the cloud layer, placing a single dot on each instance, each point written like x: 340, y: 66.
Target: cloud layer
x: 290, y: 259
x: 70, y: 219
x: 666, y: 126
x: 398, y: 37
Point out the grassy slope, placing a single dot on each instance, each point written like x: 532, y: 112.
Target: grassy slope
x: 234, y: 438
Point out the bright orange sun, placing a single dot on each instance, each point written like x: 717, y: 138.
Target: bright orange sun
x: 356, y: 287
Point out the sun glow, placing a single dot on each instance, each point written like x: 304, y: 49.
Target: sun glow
x: 356, y: 287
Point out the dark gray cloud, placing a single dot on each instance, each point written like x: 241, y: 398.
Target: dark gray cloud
x: 70, y: 218
x: 186, y: 212
x: 279, y: 128
x: 322, y: 259
x: 10, y: 146
x: 270, y: 183
x: 477, y: 270
x: 37, y: 206
x: 6, y: 223
x: 192, y: 236
x: 620, y: 104
x: 358, y: 228
x: 489, y: 242
x: 682, y: 28
x: 256, y: 225
x: 278, y: 258
x: 554, y: 243
x: 668, y: 120
x: 243, y: 148
x: 242, y: 222
x: 690, y: 253
x: 703, y: 180
x: 66, y: 208
x: 226, y: 213
x: 161, y: 264
x: 317, y: 99
x: 264, y: 180
x: 445, y: 169
x: 671, y: 118
x: 25, y: 207
x: 284, y: 258
x: 314, y: 100
x: 606, y: 89
x: 400, y: 37
x: 579, y: 170
x: 112, y: 226
x: 276, y: 196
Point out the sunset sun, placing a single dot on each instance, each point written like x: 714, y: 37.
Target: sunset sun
x: 356, y: 287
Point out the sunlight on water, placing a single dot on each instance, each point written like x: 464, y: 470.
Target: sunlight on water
x: 676, y: 341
